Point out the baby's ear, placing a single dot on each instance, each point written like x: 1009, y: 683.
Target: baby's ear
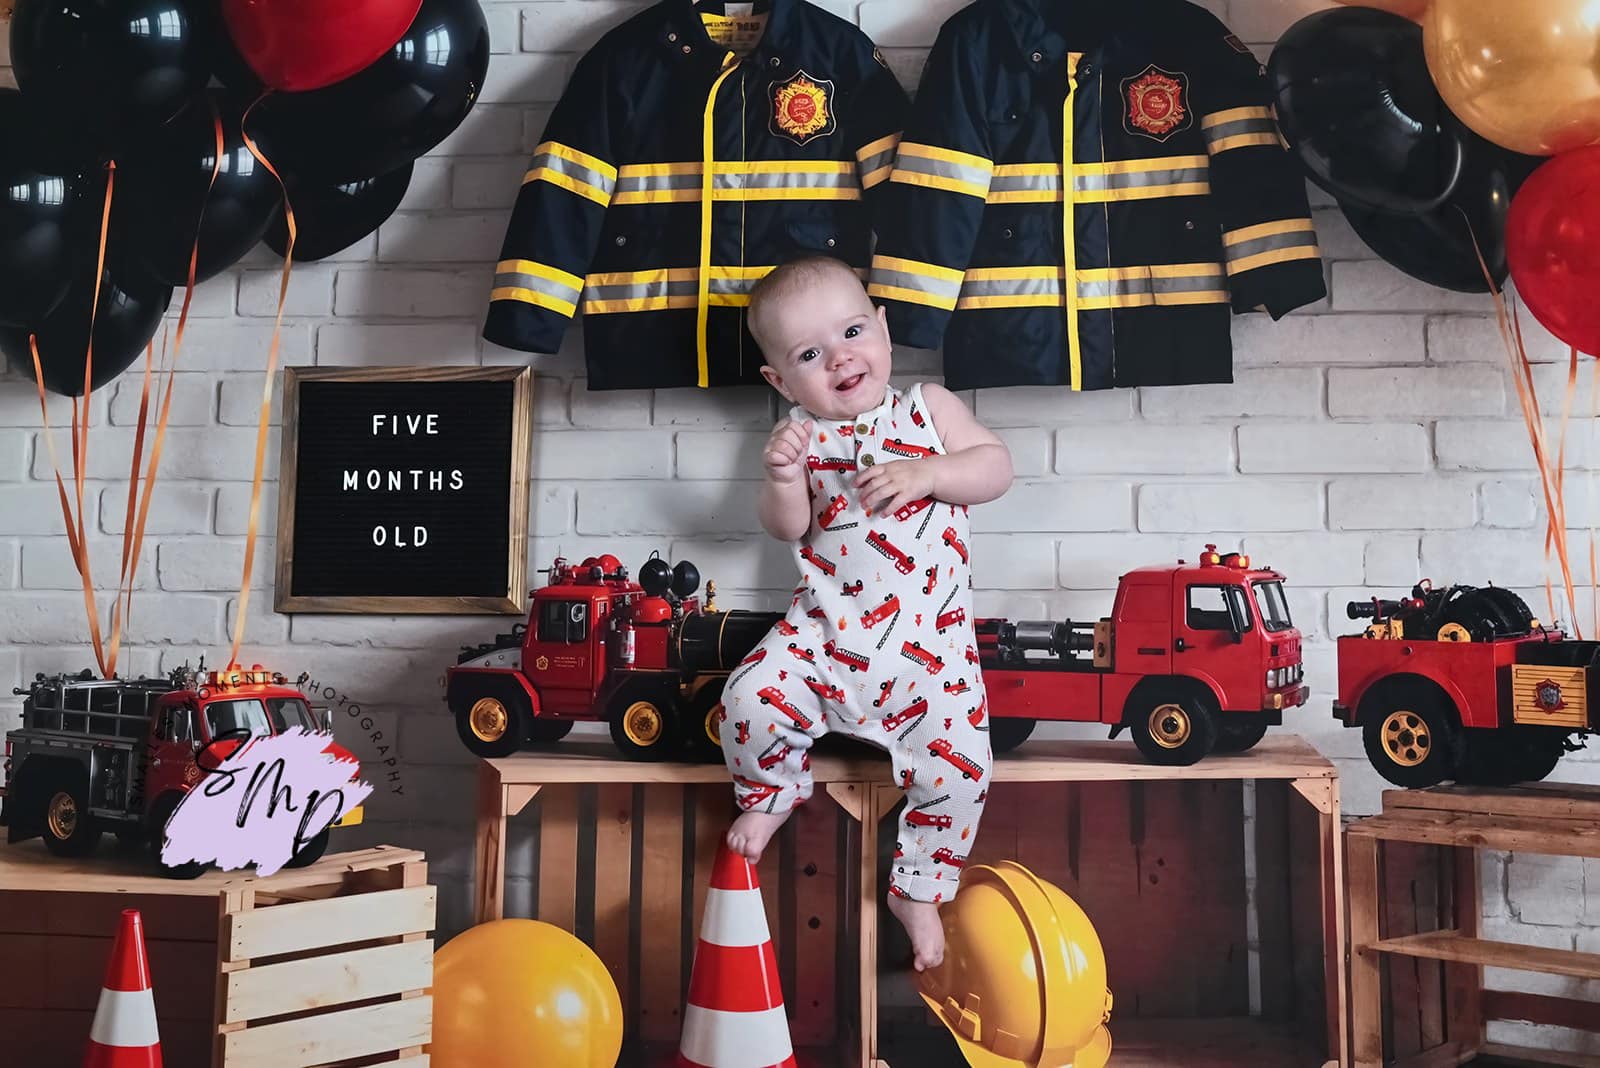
x: 883, y: 321
x: 775, y: 380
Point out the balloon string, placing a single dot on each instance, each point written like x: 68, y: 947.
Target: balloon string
x: 1556, y: 517
x: 266, y: 389
x: 1561, y: 477
x: 1594, y: 416
x: 134, y: 528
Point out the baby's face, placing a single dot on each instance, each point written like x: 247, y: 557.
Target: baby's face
x: 828, y: 351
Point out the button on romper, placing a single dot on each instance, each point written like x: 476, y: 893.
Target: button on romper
x: 877, y: 644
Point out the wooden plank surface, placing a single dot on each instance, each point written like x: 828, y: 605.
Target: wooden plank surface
x: 1398, y: 901
x: 1512, y: 834
x: 29, y: 866
x: 1279, y: 756
x: 1520, y: 1055
x: 813, y: 1017
x: 332, y: 1036
x: 558, y: 856
x: 1463, y: 982
x: 613, y: 884
x: 323, y: 981
x: 1449, y: 945
x: 58, y: 971
x: 660, y: 1010
x: 1362, y: 856
x: 265, y: 932
x: 46, y: 1038
x: 1272, y: 900
x: 1542, y: 1009
x: 1543, y: 800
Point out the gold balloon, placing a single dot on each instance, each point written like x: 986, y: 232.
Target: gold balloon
x: 1523, y: 73
x: 1410, y: 9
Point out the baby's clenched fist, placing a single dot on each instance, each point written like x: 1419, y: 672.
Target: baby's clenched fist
x: 785, y: 451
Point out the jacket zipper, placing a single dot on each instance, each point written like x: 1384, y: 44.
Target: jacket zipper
x: 1069, y: 229
x: 730, y: 63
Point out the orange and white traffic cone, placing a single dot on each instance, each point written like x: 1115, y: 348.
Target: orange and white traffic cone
x: 735, y: 1011
x: 124, y: 1031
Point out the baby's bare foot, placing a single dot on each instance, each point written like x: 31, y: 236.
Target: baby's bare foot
x: 752, y: 831
x: 921, y: 921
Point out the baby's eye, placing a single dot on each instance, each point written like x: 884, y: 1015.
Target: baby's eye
x: 852, y: 331
x: 809, y: 354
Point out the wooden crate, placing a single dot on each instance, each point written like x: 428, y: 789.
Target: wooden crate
x: 622, y: 852
x: 621, y: 856
x: 310, y: 966
x: 1417, y: 960
x: 1157, y: 859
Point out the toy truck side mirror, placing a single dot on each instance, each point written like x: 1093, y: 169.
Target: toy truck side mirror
x: 325, y: 718
x: 1237, y: 622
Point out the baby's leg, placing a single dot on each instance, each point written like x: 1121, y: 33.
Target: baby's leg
x: 772, y: 718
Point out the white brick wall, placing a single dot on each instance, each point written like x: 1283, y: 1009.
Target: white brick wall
x: 1366, y: 442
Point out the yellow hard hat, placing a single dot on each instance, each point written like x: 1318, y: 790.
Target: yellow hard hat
x: 1023, y: 982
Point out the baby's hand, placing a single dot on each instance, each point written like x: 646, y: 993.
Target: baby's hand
x: 785, y: 453
x: 894, y: 484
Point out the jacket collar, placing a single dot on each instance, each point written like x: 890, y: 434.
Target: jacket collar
x: 682, y: 27
x: 1032, y: 34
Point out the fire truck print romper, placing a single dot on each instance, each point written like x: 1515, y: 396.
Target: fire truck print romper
x: 878, y: 644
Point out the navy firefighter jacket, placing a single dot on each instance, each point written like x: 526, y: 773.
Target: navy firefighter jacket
x: 696, y: 147
x: 1179, y: 204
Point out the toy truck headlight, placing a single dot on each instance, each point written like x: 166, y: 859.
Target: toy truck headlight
x: 1274, y: 678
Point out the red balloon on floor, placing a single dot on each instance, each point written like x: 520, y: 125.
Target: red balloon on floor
x: 1553, y: 246
x: 297, y: 45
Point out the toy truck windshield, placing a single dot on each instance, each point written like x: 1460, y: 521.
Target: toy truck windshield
x: 258, y: 715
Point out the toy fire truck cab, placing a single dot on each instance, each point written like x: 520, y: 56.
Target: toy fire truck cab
x: 1194, y: 658
x: 1464, y: 683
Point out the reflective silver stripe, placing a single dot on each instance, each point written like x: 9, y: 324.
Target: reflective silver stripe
x: 639, y: 183
x: 1241, y: 126
x: 535, y: 283
x: 1015, y: 183
x: 640, y: 290
x: 785, y: 180
x: 1012, y: 287
x: 877, y: 160
x: 939, y: 168
x: 1194, y: 283
x: 731, y: 285
x: 1272, y: 243
x: 922, y: 283
x: 1113, y: 287
x: 587, y: 175
x: 1085, y: 183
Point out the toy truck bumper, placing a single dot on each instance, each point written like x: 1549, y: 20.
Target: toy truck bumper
x: 1343, y: 714
x: 351, y: 818
x: 1288, y: 698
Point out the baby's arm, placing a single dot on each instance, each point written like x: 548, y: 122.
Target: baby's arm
x: 785, y: 497
x: 975, y: 467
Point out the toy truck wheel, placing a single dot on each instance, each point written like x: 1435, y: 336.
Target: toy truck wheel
x: 1236, y: 734
x: 165, y: 807
x: 1411, y: 737
x: 493, y: 724
x: 69, y: 829
x: 644, y: 722
x: 311, y: 852
x: 702, y: 724
x: 1173, y: 728
x: 1008, y: 732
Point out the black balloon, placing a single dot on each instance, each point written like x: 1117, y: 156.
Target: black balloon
x: 109, y: 70
x: 228, y: 66
x: 43, y: 219
x: 162, y: 189
x: 328, y: 218
x: 1356, y: 103
x: 392, y: 112
x: 129, y: 312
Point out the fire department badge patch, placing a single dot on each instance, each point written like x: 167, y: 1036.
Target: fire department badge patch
x: 1157, y: 104
x: 802, y: 108
x: 1547, y: 695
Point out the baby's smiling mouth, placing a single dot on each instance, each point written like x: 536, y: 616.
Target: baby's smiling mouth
x: 850, y: 383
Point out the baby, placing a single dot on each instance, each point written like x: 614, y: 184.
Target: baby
x: 871, y: 485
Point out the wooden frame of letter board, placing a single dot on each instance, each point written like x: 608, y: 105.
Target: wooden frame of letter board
x: 516, y: 598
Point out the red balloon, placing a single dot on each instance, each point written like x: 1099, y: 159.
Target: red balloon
x: 298, y: 45
x: 1553, y: 246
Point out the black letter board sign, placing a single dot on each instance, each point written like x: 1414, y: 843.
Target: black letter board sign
x: 404, y: 490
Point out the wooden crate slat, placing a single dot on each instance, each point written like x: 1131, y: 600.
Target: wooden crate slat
x: 1540, y: 800
x: 660, y: 1010
x: 1048, y: 833
x: 332, y: 979
x: 313, y: 1040
x: 558, y: 856
x: 1109, y: 875
x: 812, y: 1019
x: 1274, y: 935
x: 1449, y: 945
x: 1400, y: 872
x: 1542, y: 1009
x: 712, y: 817
x: 46, y: 1038
x: 613, y: 887
x: 1519, y: 1055
x: 1508, y: 834
x: 291, y: 928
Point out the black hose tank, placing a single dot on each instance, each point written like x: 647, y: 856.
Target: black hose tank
x: 717, y: 641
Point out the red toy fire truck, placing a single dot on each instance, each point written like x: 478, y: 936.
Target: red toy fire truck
x: 119, y: 754
x: 1194, y: 658
x: 1464, y: 683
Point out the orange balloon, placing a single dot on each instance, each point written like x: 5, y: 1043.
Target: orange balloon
x: 1523, y: 73
x: 1410, y: 9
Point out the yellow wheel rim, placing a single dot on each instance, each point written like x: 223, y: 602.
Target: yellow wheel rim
x: 62, y: 816
x: 1170, y: 726
x: 643, y: 723
x: 489, y: 719
x: 1454, y: 632
x: 1406, y: 738
x: 713, y: 724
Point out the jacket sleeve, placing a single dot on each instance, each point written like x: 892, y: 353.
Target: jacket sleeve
x: 1269, y: 243
x: 936, y: 195
x: 555, y: 225
x: 875, y: 120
